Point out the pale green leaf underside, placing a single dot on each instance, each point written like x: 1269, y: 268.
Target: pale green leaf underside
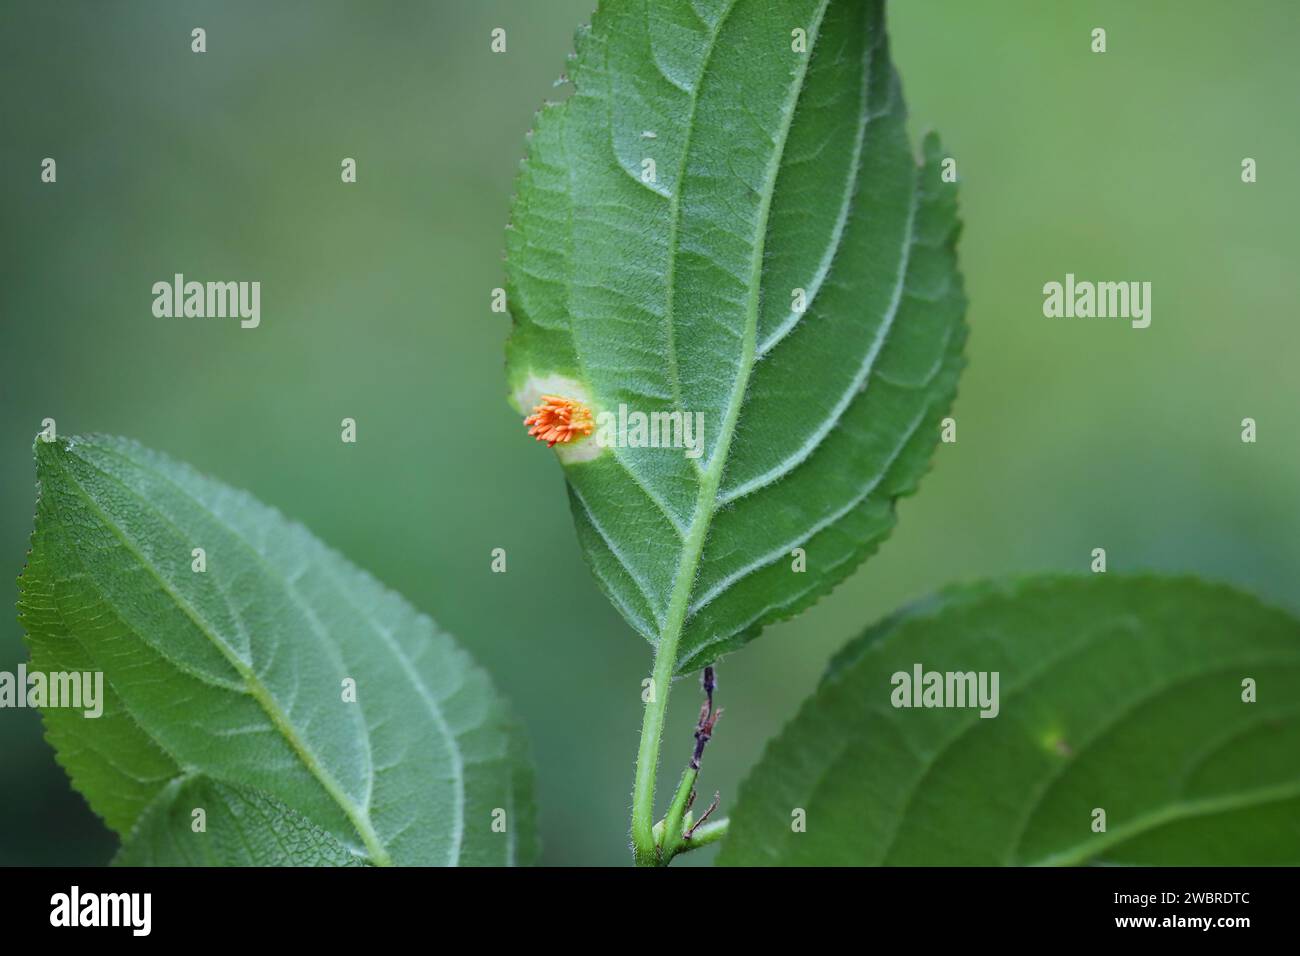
x: 774, y: 170
x: 1123, y: 694
x: 228, y: 684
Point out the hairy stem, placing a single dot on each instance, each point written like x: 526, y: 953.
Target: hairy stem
x: 652, y: 722
x: 706, y: 833
x: 647, y: 758
x: 676, y: 814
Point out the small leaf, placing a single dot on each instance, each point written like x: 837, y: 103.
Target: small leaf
x: 727, y: 230
x: 1120, y: 695
x: 231, y: 688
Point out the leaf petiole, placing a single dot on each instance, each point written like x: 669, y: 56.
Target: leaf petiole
x: 674, y: 832
x: 644, y: 842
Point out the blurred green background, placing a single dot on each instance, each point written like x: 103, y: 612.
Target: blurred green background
x: 1072, y: 434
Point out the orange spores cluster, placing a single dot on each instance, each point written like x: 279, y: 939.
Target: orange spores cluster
x: 558, y: 420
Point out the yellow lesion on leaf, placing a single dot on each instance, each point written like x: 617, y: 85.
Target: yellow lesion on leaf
x: 1053, y: 741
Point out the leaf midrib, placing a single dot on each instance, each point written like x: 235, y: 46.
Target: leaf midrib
x: 706, y: 502
x: 257, y: 690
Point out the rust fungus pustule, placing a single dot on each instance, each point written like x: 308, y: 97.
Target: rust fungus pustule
x: 558, y: 420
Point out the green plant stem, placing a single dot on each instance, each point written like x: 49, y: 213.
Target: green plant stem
x: 710, y: 832
x: 652, y: 723
x: 674, y: 818
x: 647, y: 758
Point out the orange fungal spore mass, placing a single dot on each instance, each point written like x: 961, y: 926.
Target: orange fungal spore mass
x: 558, y: 420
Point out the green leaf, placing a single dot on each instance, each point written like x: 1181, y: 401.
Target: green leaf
x: 243, y: 828
x: 1119, y: 694
x: 673, y: 294
x: 225, y: 688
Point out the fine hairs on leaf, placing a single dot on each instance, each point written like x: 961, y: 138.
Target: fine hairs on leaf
x: 310, y: 714
x: 724, y: 235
